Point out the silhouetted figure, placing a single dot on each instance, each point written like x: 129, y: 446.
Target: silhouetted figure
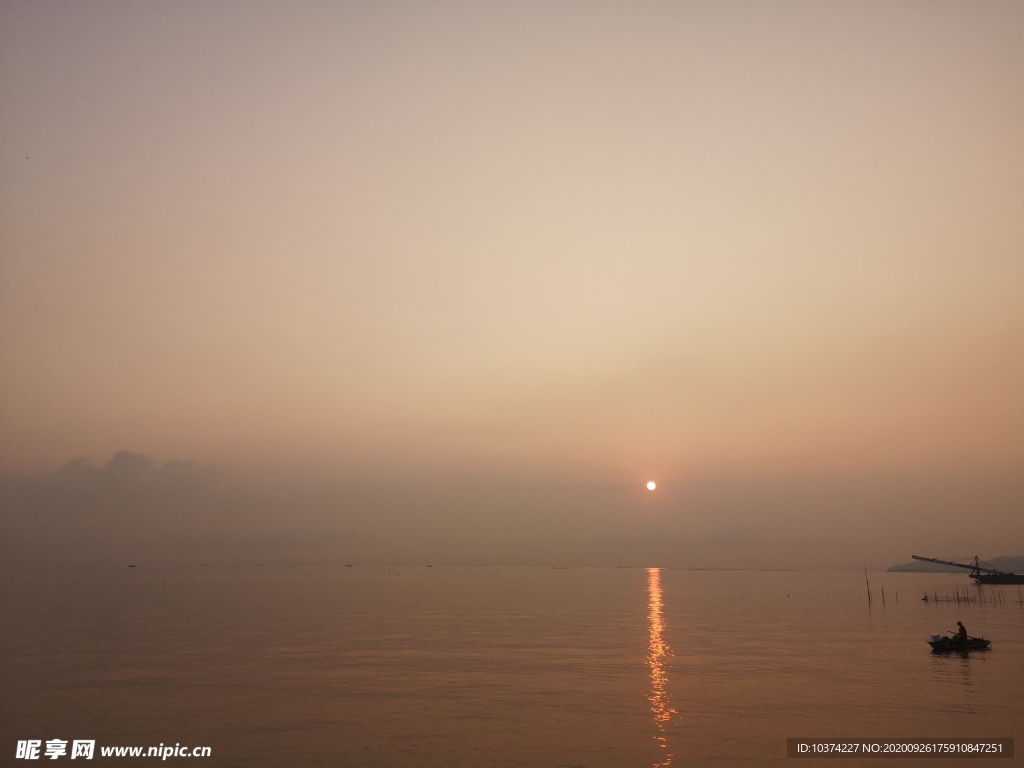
x: 962, y: 632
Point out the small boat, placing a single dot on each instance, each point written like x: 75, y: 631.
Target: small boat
x: 955, y: 643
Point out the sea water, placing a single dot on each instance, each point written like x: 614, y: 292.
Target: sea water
x: 497, y: 666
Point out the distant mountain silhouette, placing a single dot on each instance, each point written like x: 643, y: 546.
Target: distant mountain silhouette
x: 1013, y: 564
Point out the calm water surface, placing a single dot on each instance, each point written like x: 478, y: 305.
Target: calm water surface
x: 417, y: 666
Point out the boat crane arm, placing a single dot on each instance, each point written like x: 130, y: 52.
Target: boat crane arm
x: 973, y: 566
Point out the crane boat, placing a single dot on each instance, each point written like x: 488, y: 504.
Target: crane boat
x: 979, y: 573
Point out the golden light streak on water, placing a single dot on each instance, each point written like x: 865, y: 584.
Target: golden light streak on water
x: 657, y: 650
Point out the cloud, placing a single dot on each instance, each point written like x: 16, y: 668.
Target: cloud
x: 134, y: 508
x: 131, y: 504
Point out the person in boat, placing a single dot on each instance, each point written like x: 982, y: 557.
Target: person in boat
x: 961, y: 633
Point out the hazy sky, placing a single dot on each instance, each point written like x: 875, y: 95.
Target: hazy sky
x: 482, y: 265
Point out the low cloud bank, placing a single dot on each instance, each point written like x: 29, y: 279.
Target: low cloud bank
x: 134, y: 509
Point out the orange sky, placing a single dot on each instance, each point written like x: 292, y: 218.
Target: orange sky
x: 615, y: 240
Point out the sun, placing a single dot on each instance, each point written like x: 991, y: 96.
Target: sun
x: 651, y: 485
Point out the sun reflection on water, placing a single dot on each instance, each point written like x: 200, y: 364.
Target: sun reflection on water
x: 657, y: 650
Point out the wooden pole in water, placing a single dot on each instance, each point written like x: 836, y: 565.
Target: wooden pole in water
x: 883, y: 594
x: 867, y: 583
